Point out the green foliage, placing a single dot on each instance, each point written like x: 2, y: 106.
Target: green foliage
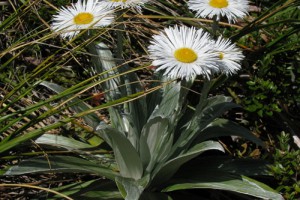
x: 272, y: 77
x: 264, y: 99
x: 148, y: 158
x: 286, y: 167
x: 30, y: 56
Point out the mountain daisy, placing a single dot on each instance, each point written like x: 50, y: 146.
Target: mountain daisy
x: 136, y: 4
x: 229, y: 58
x: 81, y: 15
x: 232, y: 9
x: 183, y: 52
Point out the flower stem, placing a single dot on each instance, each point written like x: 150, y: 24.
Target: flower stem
x: 120, y: 28
x: 204, y: 93
x: 215, y: 26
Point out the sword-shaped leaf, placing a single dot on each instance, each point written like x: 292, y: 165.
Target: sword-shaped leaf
x: 127, y: 158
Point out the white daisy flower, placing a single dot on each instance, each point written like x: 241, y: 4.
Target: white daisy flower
x: 135, y: 4
x: 229, y: 58
x: 81, y: 15
x: 232, y: 9
x: 183, y: 52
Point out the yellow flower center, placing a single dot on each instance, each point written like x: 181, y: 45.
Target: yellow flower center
x: 218, y: 3
x: 119, y: 1
x: 83, y: 18
x: 221, y: 56
x: 185, y: 55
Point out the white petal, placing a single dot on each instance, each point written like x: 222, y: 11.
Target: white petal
x: 235, y: 9
x: 63, y: 21
x: 164, y: 45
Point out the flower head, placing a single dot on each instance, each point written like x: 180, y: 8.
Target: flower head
x: 232, y: 9
x: 81, y: 15
x: 136, y: 4
x: 229, y: 56
x: 183, y: 52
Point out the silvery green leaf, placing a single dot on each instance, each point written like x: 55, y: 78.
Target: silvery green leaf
x: 224, y: 164
x: 104, y: 64
x: 171, y: 103
x: 155, y: 142
x: 60, y: 164
x: 127, y: 157
x: 130, y: 130
x: 132, y: 189
x: 215, y: 107
x: 224, y: 127
x: 61, y: 142
x: 228, y: 182
x: 166, y: 170
x: 223, y: 173
x: 120, y: 85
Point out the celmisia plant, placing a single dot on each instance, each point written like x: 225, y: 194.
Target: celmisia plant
x: 184, y: 52
x: 229, y: 56
x: 79, y: 16
x: 156, y: 138
x: 231, y: 9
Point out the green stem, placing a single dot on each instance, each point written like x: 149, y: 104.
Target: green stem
x: 204, y: 93
x: 120, y: 29
x: 215, y: 27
